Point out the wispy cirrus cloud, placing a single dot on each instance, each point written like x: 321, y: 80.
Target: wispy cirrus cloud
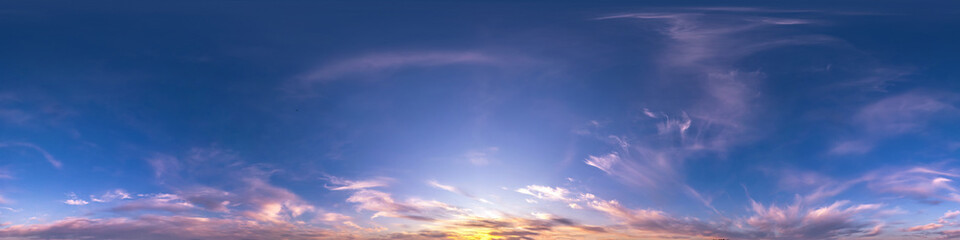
x: 905, y: 113
x: 922, y: 183
x: 156, y: 202
x: 799, y: 222
x: 46, y: 155
x: 438, y: 185
x: 374, y: 63
x: 116, y: 194
x: 701, y: 48
x: 384, y: 205
x: 343, y: 184
x: 249, y: 194
x: 796, y: 221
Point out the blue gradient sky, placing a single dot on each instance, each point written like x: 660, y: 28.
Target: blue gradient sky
x: 479, y: 120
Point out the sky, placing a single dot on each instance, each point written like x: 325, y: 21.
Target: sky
x: 479, y: 120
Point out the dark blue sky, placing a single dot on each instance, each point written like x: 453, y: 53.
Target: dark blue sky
x: 479, y: 120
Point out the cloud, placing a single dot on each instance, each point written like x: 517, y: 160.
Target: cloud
x: 74, y: 200
x: 236, y: 187
x: 922, y: 183
x: 164, y: 164
x: 798, y: 222
x: 159, y: 202
x: 414, y: 209
x: 265, y: 202
x: 950, y: 234
x: 851, y: 147
x: 15, y: 116
x: 163, y: 227
x: 481, y: 157
x: 906, y: 113
x: 343, y: 184
x: 605, y: 163
x: 795, y: 221
x: 435, y: 184
x: 46, y: 155
x: 5, y: 174
x: 543, y: 226
x: 950, y: 215
x: 927, y: 227
x: 701, y: 49
x: 546, y: 193
x: 111, y: 196
x: 724, y: 113
x: 374, y: 63
x: 903, y: 113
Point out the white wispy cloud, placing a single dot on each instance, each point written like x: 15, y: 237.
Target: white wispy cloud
x: 701, y: 48
x: 481, y: 157
x: 922, y: 183
x: 248, y: 195
x: 343, y: 184
x: 379, y: 62
x: 46, y: 155
x: 896, y: 115
x: 117, y: 194
x: 435, y: 184
x: 546, y: 193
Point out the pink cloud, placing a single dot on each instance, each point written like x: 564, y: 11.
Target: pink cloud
x: 163, y: 227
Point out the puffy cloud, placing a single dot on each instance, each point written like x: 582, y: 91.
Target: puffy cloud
x: 74, y: 200
x: 266, y: 202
